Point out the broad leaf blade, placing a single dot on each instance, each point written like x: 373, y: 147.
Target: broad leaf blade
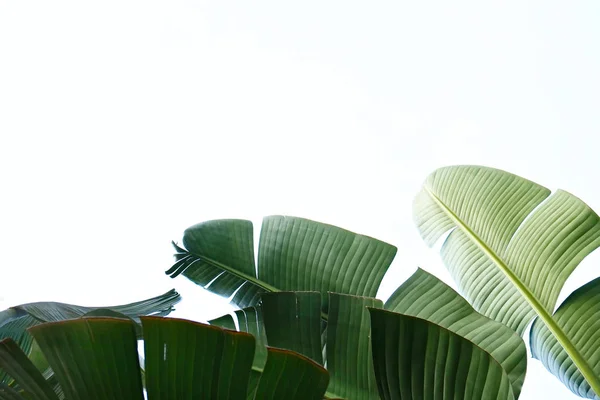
x: 291, y: 376
x: 293, y: 321
x: 18, y: 319
x: 349, y: 355
x: 509, y: 260
x: 295, y: 254
x: 16, y: 329
x: 250, y: 320
x: 53, y: 311
x: 426, y: 297
x: 417, y: 359
x: 7, y: 393
x: 579, y: 317
x: 303, y: 255
x: 93, y: 358
x: 219, y: 253
x: 186, y: 359
x: 18, y: 366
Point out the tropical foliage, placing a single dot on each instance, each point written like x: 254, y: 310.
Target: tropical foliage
x: 512, y: 245
x: 96, y: 358
x: 342, y: 272
x: 16, y: 321
x: 509, y: 244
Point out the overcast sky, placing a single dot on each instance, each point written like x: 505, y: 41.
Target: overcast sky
x: 124, y: 122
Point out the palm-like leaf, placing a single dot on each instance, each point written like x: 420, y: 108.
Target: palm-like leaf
x: 15, y: 321
x: 292, y: 320
x: 579, y: 316
x: 513, y: 248
x: 16, y: 363
x: 425, y: 296
x: 8, y: 393
x: 96, y: 358
x: 417, y: 359
x: 293, y: 254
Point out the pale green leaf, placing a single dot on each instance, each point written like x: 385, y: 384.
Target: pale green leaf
x: 510, y: 252
x: 579, y: 317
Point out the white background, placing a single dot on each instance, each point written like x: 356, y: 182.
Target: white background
x: 123, y: 123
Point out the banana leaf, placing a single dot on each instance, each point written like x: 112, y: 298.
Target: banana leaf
x: 96, y: 359
x: 294, y: 254
x: 15, y: 321
x: 292, y: 320
x: 511, y: 247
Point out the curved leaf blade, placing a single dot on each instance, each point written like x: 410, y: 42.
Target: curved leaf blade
x: 425, y: 296
x: 289, y: 375
x: 8, y: 393
x: 295, y: 254
x: 509, y: 258
x: 17, y: 365
x: 93, y: 358
x: 250, y: 320
x: 417, y: 359
x: 303, y: 255
x: 219, y: 253
x: 579, y: 317
x: 293, y: 321
x: 16, y: 329
x: 349, y: 353
x: 19, y: 318
x: 186, y: 359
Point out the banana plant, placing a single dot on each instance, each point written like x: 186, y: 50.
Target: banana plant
x: 96, y: 358
x: 511, y: 246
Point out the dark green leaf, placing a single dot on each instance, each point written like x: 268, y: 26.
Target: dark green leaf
x: 294, y: 254
x: 185, y: 359
x: 417, y: 359
x: 291, y: 376
x: 92, y: 358
x: 293, y: 321
x: 19, y: 367
x: 425, y: 296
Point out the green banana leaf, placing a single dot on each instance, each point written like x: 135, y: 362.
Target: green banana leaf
x: 417, y: 359
x: 511, y: 247
x: 16, y: 363
x: 292, y: 320
x: 8, y: 393
x: 294, y: 254
x: 250, y: 320
x: 15, y: 321
x: 96, y: 359
x: 579, y: 317
x: 426, y: 297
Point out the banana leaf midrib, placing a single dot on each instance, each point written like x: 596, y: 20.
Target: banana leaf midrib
x: 233, y: 271
x: 241, y: 275
x: 561, y: 337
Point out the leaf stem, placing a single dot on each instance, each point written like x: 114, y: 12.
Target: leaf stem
x: 241, y: 275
